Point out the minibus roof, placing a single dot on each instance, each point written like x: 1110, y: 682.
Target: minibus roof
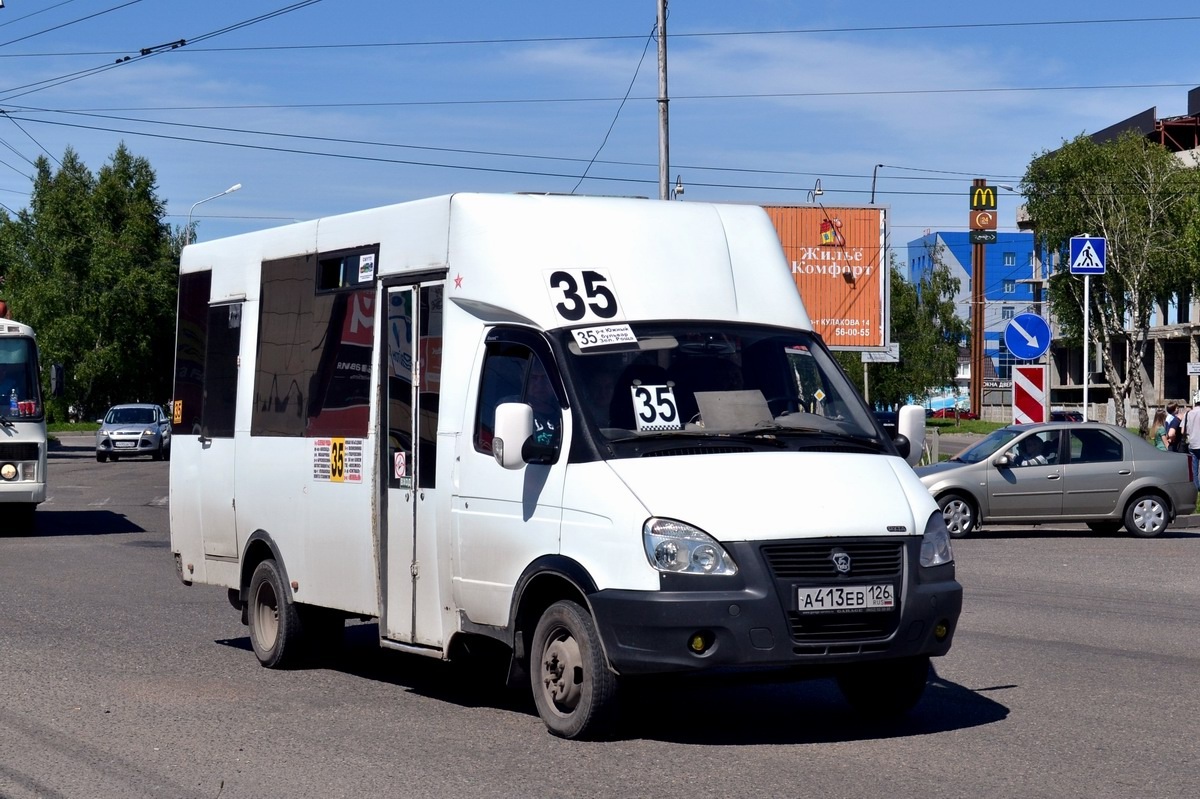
x: 662, y: 259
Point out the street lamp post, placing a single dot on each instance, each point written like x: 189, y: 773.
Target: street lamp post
x: 188, y: 230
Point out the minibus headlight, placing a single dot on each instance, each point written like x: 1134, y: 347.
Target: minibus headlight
x: 935, y: 544
x: 673, y: 546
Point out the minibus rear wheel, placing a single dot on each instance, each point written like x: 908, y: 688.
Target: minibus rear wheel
x: 276, y: 632
x: 573, y: 688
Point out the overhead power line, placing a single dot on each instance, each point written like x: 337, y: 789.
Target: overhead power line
x: 677, y: 35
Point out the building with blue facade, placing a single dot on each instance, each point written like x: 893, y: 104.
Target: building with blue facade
x: 1013, y: 284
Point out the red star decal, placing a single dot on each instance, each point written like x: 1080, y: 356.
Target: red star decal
x: 458, y: 281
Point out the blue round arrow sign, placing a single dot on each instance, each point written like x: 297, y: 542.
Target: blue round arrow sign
x: 1027, y: 336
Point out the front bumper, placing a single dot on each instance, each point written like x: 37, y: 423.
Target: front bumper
x: 22, y: 472
x: 751, y: 619
x: 127, y: 445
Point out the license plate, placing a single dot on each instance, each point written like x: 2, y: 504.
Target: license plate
x: 846, y: 597
x: 124, y: 443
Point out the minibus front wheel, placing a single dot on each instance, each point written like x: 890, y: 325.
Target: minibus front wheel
x: 573, y: 688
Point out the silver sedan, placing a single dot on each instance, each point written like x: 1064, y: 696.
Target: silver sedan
x: 1087, y: 472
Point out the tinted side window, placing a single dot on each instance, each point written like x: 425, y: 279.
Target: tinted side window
x: 513, y: 373
x: 316, y: 329
x: 219, y: 413
x: 191, y: 341
x: 1094, y: 446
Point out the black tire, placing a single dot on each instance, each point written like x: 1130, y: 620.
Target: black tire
x: 960, y: 513
x: 573, y: 688
x: 276, y: 630
x: 157, y: 455
x: 1147, y: 515
x: 101, y: 457
x: 885, y: 688
x: 115, y: 457
x: 166, y: 454
x: 1105, y: 527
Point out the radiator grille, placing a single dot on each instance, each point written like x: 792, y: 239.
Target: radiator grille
x: 795, y: 564
x: 813, y: 561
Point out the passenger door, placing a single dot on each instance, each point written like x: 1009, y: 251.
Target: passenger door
x: 412, y: 610
x: 1096, y: 472
x: 213, y: 476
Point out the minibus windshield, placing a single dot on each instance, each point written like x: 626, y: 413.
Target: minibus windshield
x: 710, y: 378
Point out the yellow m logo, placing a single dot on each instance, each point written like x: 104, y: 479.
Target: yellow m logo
x: 983, y: 198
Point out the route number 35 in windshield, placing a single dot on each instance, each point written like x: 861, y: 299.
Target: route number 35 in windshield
x: 655, y: 408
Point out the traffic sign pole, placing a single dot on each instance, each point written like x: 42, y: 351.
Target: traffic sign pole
x: 1088, y: 257
x: 1087, y: 317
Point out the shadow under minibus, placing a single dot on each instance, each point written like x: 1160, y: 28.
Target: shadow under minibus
x: 692, y: 709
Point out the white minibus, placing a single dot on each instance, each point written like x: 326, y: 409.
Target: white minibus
x: 597, y: 431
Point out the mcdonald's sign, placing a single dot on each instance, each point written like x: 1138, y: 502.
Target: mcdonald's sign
x: 983, y: 220
x: 983, y: 198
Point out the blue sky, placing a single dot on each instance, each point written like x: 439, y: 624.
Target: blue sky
x: 337, y: 105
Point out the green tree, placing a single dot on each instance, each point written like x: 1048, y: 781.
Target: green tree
x: 1142, y: 200
x: 92, y: 267
x: 928, y: 331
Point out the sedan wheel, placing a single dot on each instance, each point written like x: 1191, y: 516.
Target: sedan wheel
x: 1147, y: 516
x: 959, y: 513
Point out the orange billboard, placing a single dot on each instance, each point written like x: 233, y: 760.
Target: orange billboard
x: 837, y: 260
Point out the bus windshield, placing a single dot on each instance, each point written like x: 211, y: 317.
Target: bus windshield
x: 19, y: 377
x: 710, y: 378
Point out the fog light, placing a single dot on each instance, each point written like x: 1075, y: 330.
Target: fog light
x: 700, y: 642
x: 941, y: 630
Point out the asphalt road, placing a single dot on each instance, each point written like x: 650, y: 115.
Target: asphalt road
x: 1073, y: 674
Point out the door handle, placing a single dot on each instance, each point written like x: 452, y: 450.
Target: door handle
x: 1123, y: 471
x: 1054, y: 476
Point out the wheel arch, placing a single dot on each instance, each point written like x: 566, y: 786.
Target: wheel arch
x: 1140, y: 489
x: 260, y: 546
x: 545, y: 581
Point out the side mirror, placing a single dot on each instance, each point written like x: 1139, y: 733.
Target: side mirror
x: 57, y: 379
x: 1002, y: 462
x: 910, y: 426
x: 514, y: 426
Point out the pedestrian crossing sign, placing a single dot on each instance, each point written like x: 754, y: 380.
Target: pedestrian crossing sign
x: 1087, y: 255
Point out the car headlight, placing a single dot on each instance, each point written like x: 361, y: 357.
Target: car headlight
x: 673, y: 546
x: 935, y: 543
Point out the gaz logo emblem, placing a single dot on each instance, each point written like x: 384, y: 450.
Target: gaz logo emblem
x: 841, y: 561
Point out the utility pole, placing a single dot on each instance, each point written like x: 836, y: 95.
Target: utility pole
x: 664, y: 141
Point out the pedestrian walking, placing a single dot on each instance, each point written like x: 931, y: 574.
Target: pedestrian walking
x: 1191, y: 430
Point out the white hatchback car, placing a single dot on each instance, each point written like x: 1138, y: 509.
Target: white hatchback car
x: 134, y: 429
